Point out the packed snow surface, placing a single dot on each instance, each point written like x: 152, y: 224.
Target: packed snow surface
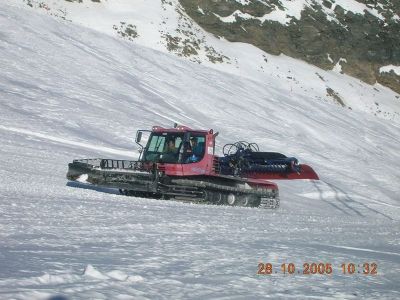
x: 69, y: 92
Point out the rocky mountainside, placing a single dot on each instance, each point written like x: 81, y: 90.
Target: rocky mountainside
x: 362, y: 36
x: 285, y: 43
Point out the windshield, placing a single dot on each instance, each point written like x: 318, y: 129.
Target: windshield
x: 173, y: 148
x: 164, y: 147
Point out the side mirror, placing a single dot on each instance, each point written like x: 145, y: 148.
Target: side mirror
x: 138, y: 137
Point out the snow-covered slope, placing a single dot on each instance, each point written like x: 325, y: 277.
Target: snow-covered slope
x: 69, y: 92
x: 164, y: 26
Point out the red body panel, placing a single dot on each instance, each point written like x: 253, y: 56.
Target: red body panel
x: 306, y: 172
x: 205, y: 167
x: 202, y: 167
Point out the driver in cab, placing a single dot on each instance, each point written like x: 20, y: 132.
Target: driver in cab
x: 170, y: 154
x: 195, y: 150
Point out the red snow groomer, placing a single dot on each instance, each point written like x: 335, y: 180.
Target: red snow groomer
x: 180, y: 163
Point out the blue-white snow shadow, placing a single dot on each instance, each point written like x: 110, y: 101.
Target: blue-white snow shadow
x: 88, y: 186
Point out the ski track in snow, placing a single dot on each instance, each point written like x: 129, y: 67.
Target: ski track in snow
x: 367, y: 250
x: 68, y: 92
x: 67, y: 142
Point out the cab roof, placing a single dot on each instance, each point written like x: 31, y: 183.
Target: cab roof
x: 179, y: 129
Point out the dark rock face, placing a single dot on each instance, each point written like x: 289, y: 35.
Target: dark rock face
x: 366, y: 41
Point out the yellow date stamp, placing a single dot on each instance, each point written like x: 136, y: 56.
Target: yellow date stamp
x: 318, y: 268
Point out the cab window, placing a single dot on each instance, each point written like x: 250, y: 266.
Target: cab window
x: 195, y: 149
